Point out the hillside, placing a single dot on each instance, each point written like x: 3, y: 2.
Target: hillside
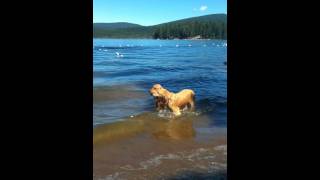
x: 116, y: 25
x: 205, y: 18
x: 209, y: 26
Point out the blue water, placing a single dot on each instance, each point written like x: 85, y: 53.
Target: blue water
x: 124, y: 71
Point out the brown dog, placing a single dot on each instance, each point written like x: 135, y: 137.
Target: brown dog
x: 174, y: 101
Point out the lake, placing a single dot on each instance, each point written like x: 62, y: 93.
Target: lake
x: 131, y: 139
x: 198, y: 65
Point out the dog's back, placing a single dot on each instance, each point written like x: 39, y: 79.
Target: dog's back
x: 185, y: 97
x: 186, y: 93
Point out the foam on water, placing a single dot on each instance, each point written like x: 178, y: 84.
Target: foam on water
x: 194, y: 156
x: 200, y: 159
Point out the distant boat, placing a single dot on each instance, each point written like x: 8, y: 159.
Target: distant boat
x: 225, y: 63
x: 177, y: 45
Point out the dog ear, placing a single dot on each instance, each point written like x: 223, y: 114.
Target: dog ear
x: 160, y: 91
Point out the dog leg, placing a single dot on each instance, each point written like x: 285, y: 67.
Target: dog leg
x: 175, y: 110
x: 157, y: 106
x: 191, y: 104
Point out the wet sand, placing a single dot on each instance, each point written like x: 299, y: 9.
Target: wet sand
x: 149, y: 147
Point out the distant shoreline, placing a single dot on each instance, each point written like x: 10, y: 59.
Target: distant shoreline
x: 156, y: 39
x: 213, y: 26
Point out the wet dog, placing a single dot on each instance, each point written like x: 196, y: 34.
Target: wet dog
x: 173, y: 101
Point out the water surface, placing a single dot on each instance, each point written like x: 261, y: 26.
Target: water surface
x: 132, y: 140
x: 121, y: 82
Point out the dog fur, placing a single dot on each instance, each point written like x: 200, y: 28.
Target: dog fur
x: 174, y: 101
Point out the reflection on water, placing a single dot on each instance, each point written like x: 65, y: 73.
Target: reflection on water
x: 150, y: 123
x: 176, y: 129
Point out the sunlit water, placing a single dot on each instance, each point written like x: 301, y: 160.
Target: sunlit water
x: 124, y: 71
x: 132, y: 140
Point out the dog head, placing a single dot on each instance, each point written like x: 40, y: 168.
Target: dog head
x: 156, y: 90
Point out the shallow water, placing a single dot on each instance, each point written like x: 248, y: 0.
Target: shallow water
x: 146, y: 147
x: 132, y: 140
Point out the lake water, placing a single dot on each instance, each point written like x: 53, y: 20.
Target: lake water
x: 121, y: 82
x: 131, y: 139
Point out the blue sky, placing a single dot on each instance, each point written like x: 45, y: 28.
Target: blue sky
x: 151, y: 12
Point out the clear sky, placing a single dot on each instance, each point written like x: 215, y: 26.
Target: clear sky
x: 151, y: 12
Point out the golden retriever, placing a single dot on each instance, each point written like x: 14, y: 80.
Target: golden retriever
x: 174, y: 101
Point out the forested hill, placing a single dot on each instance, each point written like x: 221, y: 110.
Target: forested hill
x: 212, y: 26
x: 117, y: 25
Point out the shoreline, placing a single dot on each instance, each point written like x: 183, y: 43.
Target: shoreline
x: 143, y: 157
x: 155, y: 39
x: 150, y: 147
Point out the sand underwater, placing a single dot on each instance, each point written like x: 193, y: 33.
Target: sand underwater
x: 147, y: 146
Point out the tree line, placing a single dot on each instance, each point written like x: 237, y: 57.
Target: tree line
x: 207, y: 30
